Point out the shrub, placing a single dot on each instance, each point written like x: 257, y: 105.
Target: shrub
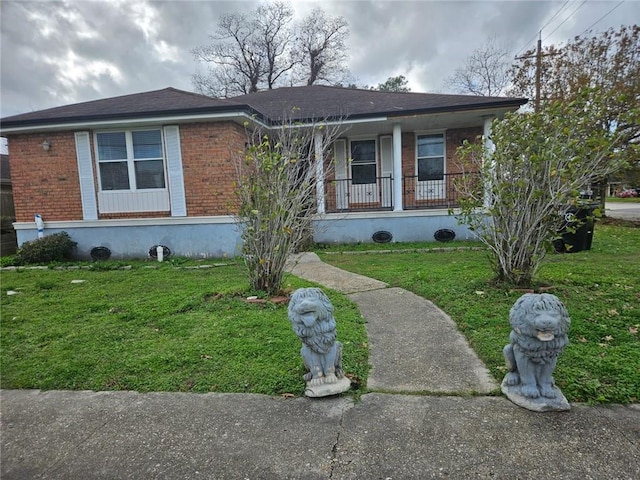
x: 55, y: 247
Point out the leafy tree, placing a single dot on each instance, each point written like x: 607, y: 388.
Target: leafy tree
x: 394, y: 84
x: 540, y: 162
x: 485, y: 73
x: 276, y: 191
x: 608, y: 63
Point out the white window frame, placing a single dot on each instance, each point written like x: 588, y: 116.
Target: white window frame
x: 431, y: 189
x: 132, y: 199
x: 375, y: 157
x: 130, y: 158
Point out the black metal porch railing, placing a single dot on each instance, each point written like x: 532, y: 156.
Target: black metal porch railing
x: 346, y: 196
x: 434, y: 192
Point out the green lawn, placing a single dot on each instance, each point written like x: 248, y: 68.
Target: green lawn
x: 601, y: 289
x: 189, y: 329
x: 622, y: 200
x: 157, y: 329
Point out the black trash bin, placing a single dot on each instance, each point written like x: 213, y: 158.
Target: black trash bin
x: 577, y: 231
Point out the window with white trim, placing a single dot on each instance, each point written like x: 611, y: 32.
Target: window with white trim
x: 130, y: 160
x: 430, y: 157
x: 363, y: 162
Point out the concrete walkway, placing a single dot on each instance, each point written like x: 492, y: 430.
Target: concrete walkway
x: 414, y: 347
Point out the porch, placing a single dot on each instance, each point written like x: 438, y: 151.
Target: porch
x: 427, y: 192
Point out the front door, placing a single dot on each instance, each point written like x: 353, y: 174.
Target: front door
x: 364, y: 181
x: 386, y: 164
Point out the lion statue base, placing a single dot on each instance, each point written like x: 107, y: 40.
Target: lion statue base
x: 311, y: 315
x: 539, y: 323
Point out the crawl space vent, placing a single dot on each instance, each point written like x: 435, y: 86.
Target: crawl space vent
x: 100, y: 253
x: 382, y: 237
x: 444, y: 235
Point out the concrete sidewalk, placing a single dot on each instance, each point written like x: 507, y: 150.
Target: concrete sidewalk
x: 414, y: 347
x: 623, y: 211
x: 127, y: 435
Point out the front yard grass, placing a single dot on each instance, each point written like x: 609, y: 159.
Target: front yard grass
x: 157, y: 329
x: 600, y: 287
x: 189, y: 329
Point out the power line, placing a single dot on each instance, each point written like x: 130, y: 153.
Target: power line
x: 603, y: 16
x: 565, y: 20
x: 539, y: 32
x: 556, y: 14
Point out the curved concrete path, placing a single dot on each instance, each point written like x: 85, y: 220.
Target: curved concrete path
x: 413, y: 345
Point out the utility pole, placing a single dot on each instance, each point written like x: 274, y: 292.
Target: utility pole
x: 538, y: 56
x: 538, y: 70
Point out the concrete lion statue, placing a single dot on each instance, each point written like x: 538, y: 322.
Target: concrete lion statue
x: 311, y: 315
x: 539, y: 325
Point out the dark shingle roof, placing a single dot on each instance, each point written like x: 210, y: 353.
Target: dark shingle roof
x: 273, y: 106
x: 168, y: 101
x: 320, y: 102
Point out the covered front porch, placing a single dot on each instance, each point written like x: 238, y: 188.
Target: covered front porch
x: 435, y: 192
x: 397, y: 164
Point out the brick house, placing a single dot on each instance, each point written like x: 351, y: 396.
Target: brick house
x: 155, y: 168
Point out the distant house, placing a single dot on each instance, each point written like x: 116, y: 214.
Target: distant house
x: 155, y: 168
x: 8, y: 243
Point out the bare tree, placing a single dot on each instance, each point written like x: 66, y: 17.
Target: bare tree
x: 272, y: 26
x: 320, y: 45
x: 264, y: 49
x: 247, y: 53
x: 275, y: 186
x: 485, y: 72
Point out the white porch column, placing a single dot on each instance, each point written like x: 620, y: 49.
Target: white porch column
x: 319, y: 158
x: 397, y: 168
x: 489, y: 149
x: 488, y: 144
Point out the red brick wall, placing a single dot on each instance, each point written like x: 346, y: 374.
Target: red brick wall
x: 455, y: 138
x: 45, y: 182
x: 208, y: 151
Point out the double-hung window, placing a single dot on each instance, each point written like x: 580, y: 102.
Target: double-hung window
x: 363, y: 162
x: 131, y: 171
x: 130, y: 160
x: 430, y: 157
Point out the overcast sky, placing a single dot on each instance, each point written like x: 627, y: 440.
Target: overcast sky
x: 57, y: 53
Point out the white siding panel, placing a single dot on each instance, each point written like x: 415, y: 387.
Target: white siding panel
x: 174, y: 169
x: 125, y: 201
x: 85, y: 173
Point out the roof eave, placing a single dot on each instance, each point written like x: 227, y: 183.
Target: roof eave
x: 114, y: 119
x: 511, y: 104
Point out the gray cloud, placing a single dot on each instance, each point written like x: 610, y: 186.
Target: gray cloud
x: 56, y: 53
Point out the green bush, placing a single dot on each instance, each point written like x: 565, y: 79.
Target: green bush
x: 50, y: 248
